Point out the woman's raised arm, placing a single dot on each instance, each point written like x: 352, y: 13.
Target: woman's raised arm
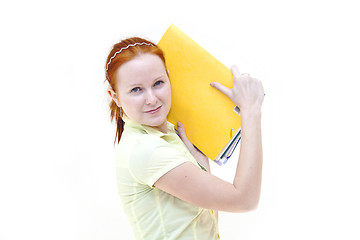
x: 202, y: 189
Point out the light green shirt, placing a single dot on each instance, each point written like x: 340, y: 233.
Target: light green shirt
x: 144, y: 154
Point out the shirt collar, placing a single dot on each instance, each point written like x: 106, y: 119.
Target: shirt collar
x: 149, y: 130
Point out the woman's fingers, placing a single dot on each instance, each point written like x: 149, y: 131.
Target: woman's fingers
x: 235, y: 71
x: 183, y: 137
x: 229, y: 92
x: 247, y: 91
x: 222, y: 88
x: 199, y: 156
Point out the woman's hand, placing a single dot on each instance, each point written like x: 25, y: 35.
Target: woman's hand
x: 199, y: 156
x: 247, y: 92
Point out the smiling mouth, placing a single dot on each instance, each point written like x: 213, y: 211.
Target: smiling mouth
x: 154, y: 110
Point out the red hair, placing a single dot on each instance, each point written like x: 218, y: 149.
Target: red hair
x: 121, y: 53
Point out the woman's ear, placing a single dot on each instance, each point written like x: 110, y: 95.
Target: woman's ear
x: 113, y: 96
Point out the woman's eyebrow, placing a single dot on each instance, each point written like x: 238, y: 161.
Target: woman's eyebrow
x: 160, y: 77
x: 134, y: 84
x: 139, y: 84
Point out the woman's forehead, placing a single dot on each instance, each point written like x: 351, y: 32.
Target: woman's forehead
x: 142, y: 67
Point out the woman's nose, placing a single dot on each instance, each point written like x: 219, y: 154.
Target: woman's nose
x: 151, y: 98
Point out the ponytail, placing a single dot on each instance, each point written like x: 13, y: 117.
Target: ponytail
x: 115, y: 115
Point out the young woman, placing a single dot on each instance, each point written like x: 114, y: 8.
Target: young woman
x: 165, y: 184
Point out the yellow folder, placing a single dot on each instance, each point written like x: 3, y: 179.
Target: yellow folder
x: 206, y: 113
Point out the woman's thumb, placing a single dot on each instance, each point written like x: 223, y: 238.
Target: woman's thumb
x: 182, y: 134
x: 181, y: 130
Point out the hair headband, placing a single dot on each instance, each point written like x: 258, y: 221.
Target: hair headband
x: 130, y: 45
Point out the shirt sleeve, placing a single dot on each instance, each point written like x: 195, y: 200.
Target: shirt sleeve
x: 152, y: 159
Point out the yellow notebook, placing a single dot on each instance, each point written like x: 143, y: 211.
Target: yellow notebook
x: 208, y: 115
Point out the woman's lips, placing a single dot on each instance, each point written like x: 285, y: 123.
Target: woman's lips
x: 154, y: 110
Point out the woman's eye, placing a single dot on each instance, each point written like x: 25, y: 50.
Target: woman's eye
x: 157, y: 83
x: 135, y: 90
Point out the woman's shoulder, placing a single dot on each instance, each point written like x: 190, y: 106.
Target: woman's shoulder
x: 148, y: 157
x: 147, y: 144
x: 140, y: 145
x: 142, y: 139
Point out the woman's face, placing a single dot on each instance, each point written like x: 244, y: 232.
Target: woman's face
x: 144, y: 91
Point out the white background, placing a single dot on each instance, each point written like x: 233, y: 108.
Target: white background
x: 57, y: 174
